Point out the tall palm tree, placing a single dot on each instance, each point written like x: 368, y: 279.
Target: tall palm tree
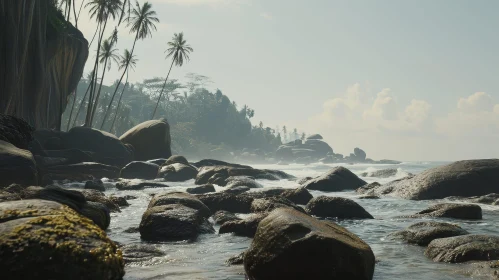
x: 100, y: 10
x: 179, y: 50
x: 142, y: 21
x: 107, y: 54
x: 128, y: 61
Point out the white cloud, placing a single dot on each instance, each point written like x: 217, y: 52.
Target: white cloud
x: 384, y: 107
x: 477, y: 102
x: 266, y: 16
x: 417, y: 112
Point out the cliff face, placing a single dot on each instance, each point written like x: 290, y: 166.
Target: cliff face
x: 42, y: 58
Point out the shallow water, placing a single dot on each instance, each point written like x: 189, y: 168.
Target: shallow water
x: 205, y: 258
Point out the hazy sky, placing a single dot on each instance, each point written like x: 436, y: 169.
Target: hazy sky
x: 407, y: 80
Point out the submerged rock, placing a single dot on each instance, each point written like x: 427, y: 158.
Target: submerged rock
x: 221, y: 217
x: 137, y: 184
x: 96, y: 184
x: 451, y: 210
x: 292, y: 245
x: 42, y: 239
x: 336, y: 207
x: 208, y: 188
x: 464, y: 248
x: 271, y: 203
x: 140, y: 170
x: 424, y: 232
x: 245, y: 227
x: 150, y: 140
x: 140, y: 252
x: 336, y: 179
x: 227, y: 201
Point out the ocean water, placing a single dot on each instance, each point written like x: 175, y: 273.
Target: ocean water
x: 205, y: 258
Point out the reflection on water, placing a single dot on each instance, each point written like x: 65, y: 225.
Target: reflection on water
x: 205, y: 258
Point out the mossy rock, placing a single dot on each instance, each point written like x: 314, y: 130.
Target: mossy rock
x: 42, y: 239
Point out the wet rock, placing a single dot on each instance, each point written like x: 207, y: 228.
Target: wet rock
x: 385, y: 173
x: 221, y: 217
x: 227, y: 201
x: 178, y: 172
x: 483, y: 269
x: 367, y: 189
x: 132, y: 230
x: 150, y: 140
x: 81, y: 172
x: 214, y: 162
x: 424, y: 232
x: 299, y: 195
x: 272, y: 203
x: 368, y: 197
x: 336, y: 207
x: 304, y: 180
x: 158, y: 161
x: 182, y: 199
x: 129, y: 197
x: 237, y: 189
x: 266, y: 192
x: 212, y: 175
x: 491, y: 199
x: 119, y: 200
x: 336, y: 179
x: 96, y: 184
x: 140, y: 170
x: 462, y: 178
x: 7, y: 196
x: 137, y: 184
x: 16, y: 166
x: 97, y: 196
x: 451, y: 210
x: 133, y: 253
x: 173, y: 222
x: 246, y: 227
x: 291, y: 245
x: 43, y: 239
x: 267, y: 174
x: 464, y: 248
x: 106, y: 147
x: 236, y: 260
x: 242, y: 181
x: 176, y: 159
x: 208, y: 188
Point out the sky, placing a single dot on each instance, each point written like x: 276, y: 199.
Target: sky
x: 406, y: 80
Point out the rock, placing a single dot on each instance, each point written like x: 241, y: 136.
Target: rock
x: 368, y: 197
x: 292, y: 245
x: 236, y: 260
x: 95, y: 185
x: 336, y: 207
x: 220, y: 174
x: 132, y: 230
x: 15, y: 131
x: 424, y: 232
x: 7, y: 196
x: 150, y: 140
x: 69, y: 156
x: 212, y: 174
x: 315, y: 137
x: 227, y: 201
x: 208, y: 188
x: 266, y: 193
x: 319, y: 148
x: 246, y: 227
x: 304, y: 180
x: 336, y: 179
x: 266, y: 174
x: 284, y: 153
x: 384, y: 173
x: 462, y: 178
x: 97, y: 196
x: 237, y: 189
x: 137, y: 184
x: 182, y: 199
x: 42, y: 239
x: 272, y: 203
x: 81, y: 172
x: 140, y: 170
x: 242, y: 181
x: 221, y: 217
x: 133, y: 253
x: 173, y: 222
x: 486, y: 270
x: 106, y: 147
x: 451, y: 210
x: 368, y: 188
x: 178, y: 172
x: 176, y: 159
x: 119, y: 200
x: 214, y: 162
x: 491, y: 199
x: 360, y: 155
x: 299, y: 195
x: 464, y: 248
x: 158, y: 161
x: 16, y: 166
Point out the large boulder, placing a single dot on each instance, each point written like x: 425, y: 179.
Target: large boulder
x: 150, y: 140
x: 241, y: 181
x: 423, y: 233
x: 181, y: 198
x: 315, y: 137
x: 16, y: 166
x: 178, y: 172
x: 336, y: 179
x: 226, y: 201
x: 291, y: 245
x: 15, y: 131
x: 299, y: 195
x: 336, y: 207
x: 451, y: 210
x: 360, y: 155
x: 140, y: 170
x: 176, y: 159
x: 464, y: 248
x: 137, y: 184
x: 42, y: 239
x: 107, y: 148
x: 462, y: 178
x: 173, y: 222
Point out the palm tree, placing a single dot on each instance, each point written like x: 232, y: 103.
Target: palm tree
x: 107, y: 53
x: 100, y: 10
x: 179, y: 51
x: 128, y: 61
x: 142, y: 21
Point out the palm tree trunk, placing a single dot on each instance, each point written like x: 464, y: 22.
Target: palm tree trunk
x: 81, y: 105
x: 162, y: 89
x: 118, y: 85
x: 119, y: 103
x: 98, y: 92
x: 72, y: 108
